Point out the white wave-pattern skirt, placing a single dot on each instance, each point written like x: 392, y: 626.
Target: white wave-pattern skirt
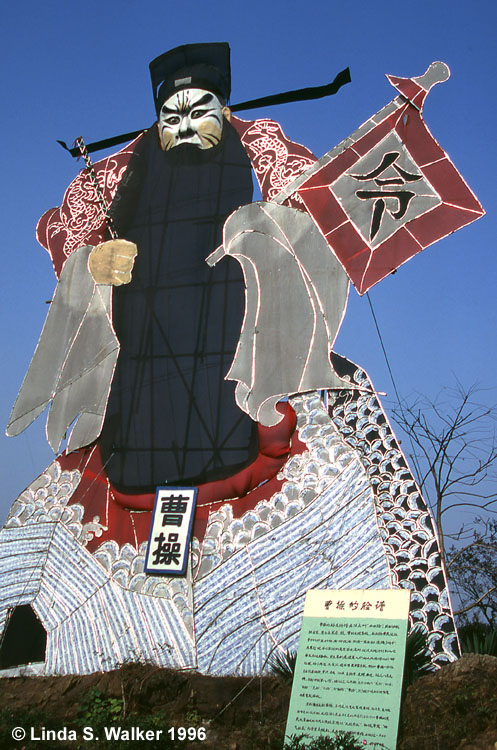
x: 349, y: 515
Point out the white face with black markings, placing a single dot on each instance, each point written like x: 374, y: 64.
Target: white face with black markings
x: 191, y: 116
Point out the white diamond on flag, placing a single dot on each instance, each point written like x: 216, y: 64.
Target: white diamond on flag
x: 384, y: 190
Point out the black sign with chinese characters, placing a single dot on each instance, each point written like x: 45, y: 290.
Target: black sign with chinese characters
x: 168, y: 544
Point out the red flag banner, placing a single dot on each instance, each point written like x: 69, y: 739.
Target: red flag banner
x: 389, y: 190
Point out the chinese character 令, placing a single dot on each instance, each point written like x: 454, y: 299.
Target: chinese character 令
x: 167, y: 552
x: 387, y: 190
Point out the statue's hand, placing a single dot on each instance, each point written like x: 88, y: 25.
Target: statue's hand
x: 111, y: 262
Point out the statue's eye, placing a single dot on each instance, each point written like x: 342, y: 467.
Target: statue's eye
x: 172, y: 120
x: 196, y: 113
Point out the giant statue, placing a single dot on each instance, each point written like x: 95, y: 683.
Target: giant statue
x: 189, y: 344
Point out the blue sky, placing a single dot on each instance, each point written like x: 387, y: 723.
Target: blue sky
x: 72, y: 69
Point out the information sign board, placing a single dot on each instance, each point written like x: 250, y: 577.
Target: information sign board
x: 350, y: 661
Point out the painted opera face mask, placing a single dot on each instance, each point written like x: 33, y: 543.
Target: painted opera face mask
x: 192, y: 116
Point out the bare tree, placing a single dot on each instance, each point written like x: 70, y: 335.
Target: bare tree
x: 452, y: 447
x: 473, y: 572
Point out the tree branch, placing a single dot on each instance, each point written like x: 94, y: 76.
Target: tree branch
x: 475, y: 604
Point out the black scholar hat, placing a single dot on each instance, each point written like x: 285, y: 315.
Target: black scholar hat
x: 205, y: 66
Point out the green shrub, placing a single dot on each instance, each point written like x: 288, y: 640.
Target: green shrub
x: 98, y: 710
x: 418, y: 657
x: 282, y: 665
x: 478, y: 638
x: 337, y: 741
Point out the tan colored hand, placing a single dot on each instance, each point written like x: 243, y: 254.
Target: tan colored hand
x: 111, y: 262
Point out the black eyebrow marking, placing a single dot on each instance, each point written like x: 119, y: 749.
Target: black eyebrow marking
x: 203, y: 100
x: 187, y: 106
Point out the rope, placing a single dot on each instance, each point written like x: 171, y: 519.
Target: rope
x: 405, y: 429
x: 103, y: 203
x: 384, y: 351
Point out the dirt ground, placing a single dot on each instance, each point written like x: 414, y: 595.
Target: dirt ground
x: 235, y: 712
x: 452, y: 709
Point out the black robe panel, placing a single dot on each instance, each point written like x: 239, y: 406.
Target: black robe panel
x: 171, y: 416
